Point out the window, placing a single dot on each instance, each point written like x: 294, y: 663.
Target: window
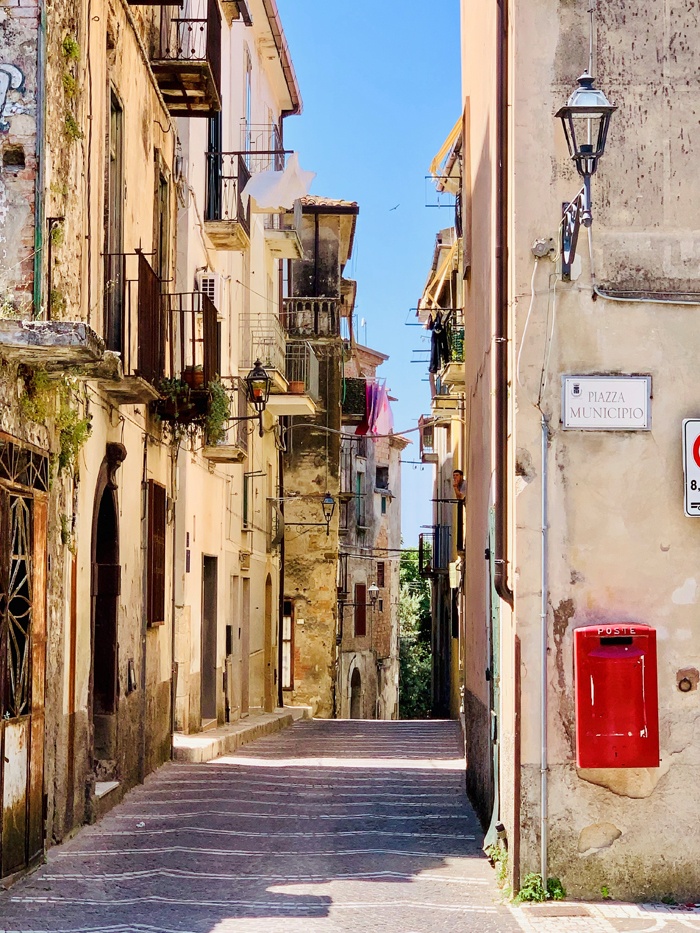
x: 382, y: 477
x: 247, y: 504
x: 161, y: 220
x: 380, y: 573
x: 155, y: 605
x: 288, y: 646
x: 381, y: 605
x: 360, y: 499
x: 360, y: 610
x: 383, y: 505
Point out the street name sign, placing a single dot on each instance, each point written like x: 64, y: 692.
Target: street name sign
x: 606, y: 403
x: 691, y: 466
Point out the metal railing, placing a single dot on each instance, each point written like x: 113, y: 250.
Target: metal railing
x: 262, y: 338
x: 227, y: 176
x: 134, y: 321
x: 191, y: 32
x: 312, y: 317
x: 288, y: 221
x: 236, y: 434
x: 261, y: 144
x: 302, y: 368
x: 457, y: 343
x: 193, y: 339
x: 434, y: 550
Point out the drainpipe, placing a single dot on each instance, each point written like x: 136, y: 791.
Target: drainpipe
x: 544, y: 584
x: 501, y: 337
x: 280, y: 624
x: 40, y: 171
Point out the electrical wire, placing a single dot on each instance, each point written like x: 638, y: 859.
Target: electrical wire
x: 527, y: 324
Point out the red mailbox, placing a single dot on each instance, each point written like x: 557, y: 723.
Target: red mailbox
x: 617, y: 703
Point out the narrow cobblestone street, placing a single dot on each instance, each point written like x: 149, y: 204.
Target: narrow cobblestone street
x: 328, y: 826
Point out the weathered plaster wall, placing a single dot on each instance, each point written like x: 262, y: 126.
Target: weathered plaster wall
x: 621, y: 548
x: 18, y: 163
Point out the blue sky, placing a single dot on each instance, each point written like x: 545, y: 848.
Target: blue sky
x: 381, y: 88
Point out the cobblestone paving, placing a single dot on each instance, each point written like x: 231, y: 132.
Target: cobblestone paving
x: 328, y: 827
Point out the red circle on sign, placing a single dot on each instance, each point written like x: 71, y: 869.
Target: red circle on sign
x: 696, y: 450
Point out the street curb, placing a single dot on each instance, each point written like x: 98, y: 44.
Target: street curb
x: 205, y: 746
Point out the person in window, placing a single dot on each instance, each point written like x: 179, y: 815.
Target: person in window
x: 458, y: 484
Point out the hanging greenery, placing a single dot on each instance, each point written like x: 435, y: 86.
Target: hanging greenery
x: 218, y: 414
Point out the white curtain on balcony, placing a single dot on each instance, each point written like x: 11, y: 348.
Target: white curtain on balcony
x: 277, y: 191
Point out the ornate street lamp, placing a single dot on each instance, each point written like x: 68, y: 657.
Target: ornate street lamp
x: 328, y: 506
x: 373, y: 593
x: 258, y: 383
x: 585, y: 119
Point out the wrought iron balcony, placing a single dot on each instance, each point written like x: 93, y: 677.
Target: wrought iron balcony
x: 134, y: 328
x: 262, y: 338
x: 233, y: 446
x: 434, y: 551
x: 312, y: 317
x: 428, y: 450
x: 261, y: 145
x: 226, y: 219
x: 186, y: 58
x: 283, y: 233
x: 453, y: 371
x: 354, y: 400
x: 302, y: 369
x: 192, y: 359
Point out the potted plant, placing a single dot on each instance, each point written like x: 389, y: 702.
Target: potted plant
x: 194, y: 377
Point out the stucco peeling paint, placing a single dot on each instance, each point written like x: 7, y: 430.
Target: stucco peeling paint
x: 685, y: 595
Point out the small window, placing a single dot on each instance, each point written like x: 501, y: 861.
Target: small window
x: 156, y: 553
x: 381, y: 605
x: 13, y: 157
x: 382, y: 477
x: 380, y: 573
x: 383, y: 505
x: 288, y: 646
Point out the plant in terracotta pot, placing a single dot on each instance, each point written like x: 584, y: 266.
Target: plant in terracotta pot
x: 296, y: 387
x: 194, y: 377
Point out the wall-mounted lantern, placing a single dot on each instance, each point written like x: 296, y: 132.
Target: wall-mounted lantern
x: 373, y: 593
x: 328, y: 506
x: 258, y: 384
x: 586, y: 119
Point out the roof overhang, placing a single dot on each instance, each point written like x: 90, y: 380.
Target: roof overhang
x: 268, y: 27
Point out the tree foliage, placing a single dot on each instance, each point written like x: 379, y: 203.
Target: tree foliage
x: 415, y: 652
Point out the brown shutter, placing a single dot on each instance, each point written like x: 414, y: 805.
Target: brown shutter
x: 156, y: 554
x: 380, y: 573
x: 360, y: 610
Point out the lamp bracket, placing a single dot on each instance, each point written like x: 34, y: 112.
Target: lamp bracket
x: 575, y: 213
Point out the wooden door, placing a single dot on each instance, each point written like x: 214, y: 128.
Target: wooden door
x: 209, y: 632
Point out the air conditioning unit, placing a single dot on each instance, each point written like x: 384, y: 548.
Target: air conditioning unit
x: 209, y: 283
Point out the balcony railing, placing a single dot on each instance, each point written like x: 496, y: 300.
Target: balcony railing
x: 193, y: 355
x: 261, y: 143
x: 283, y: 233
x: 302, y: 368
x: 186, y: 58
x: 262, y: 338
x: 428, y: 450
x: 134, y: 321
x: 227, y: 176
x: 354, y: 399
x: 312, y: 317
x: 233, y: 446
x: 434, y: 551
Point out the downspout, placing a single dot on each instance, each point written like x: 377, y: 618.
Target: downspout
x: 544, y: 583
x: 501, y: 336
x: 40, y: 172
x: 280, y: 623
x: 174, y: 484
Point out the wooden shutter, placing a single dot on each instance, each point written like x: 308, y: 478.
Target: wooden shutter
x: 360, y: 610
x: 156, y: 554
x: 380, y: 573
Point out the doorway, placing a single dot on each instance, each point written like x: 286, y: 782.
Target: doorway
x: 269, y: 667
x: 245, y: 649
x: 356, y: 695
x: 209, y: 631
x: 106, y: 580
x: 22, y: 672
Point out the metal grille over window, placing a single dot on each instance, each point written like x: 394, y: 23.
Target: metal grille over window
x: 16, y: 606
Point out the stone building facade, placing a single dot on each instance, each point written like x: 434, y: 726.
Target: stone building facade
x: 139, y: 526
x: 613, y: 547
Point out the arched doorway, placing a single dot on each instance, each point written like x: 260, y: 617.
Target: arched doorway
x: 356, y: 695
x: 269, y: 670
x: 106, y: 586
